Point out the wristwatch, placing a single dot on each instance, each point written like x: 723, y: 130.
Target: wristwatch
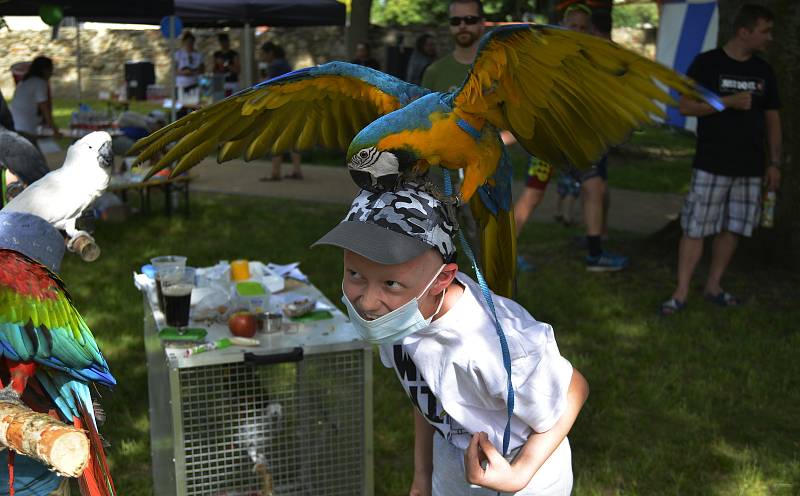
x: 775, y: 163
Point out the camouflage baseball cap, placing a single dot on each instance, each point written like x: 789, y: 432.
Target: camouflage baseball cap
x: 392, y: 227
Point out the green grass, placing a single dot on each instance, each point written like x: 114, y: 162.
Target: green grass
x: 703, y: 403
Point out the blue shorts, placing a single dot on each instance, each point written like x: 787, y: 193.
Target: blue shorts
x: 600, y: 169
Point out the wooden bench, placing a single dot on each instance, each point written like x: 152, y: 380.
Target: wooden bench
x: 167, y: 185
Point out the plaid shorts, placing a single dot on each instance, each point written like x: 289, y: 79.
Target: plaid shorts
x: 721, y: 203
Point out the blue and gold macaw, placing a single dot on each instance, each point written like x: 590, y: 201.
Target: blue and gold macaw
x: 566, y: 97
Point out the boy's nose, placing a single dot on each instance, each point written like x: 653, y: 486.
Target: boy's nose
x: 369, y: 304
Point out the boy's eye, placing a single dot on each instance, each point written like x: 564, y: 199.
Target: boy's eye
x: 393, y: 284
x: 353, y: 274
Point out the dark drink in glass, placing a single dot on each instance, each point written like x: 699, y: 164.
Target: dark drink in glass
x: 177, y: 298
x: 159, y: 293
x: 168, y: 267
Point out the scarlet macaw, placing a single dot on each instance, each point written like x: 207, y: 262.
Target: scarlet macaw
x: 566, y: 97
x: 49, y: 355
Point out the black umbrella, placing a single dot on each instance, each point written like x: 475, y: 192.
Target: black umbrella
x: 144, y: 11
x: 214, y: 13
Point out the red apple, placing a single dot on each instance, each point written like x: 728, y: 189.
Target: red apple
x: 242, y: 324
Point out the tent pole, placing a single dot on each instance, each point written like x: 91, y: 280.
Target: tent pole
x: 78, y: 56
x: 248, y: 55
x: 172, y: 69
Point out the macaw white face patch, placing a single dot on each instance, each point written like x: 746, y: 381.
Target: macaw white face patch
x: 377, y: 163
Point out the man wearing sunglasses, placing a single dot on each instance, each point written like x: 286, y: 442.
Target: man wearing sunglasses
x: 466, y: 27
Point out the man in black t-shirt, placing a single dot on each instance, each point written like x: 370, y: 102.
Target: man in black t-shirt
x: 226, y: 61
x: 738, y: 152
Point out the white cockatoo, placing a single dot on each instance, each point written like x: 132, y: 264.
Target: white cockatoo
x: 63, y: 194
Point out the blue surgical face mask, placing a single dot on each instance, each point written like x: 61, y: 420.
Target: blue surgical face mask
x: 395, y: 325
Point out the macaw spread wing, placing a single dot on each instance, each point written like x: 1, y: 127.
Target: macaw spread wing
x: 566, y: 96
x: 39, y: 323
x: 318, y: 106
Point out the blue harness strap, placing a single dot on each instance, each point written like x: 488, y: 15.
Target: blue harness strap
x: 487, y: 295
x: 469, y: 129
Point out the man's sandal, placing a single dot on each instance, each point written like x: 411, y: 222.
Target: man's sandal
x: 723, y: 299
x: 671, y: 307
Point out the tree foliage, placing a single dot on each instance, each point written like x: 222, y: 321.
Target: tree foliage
x: 635, y: 15
x: 404, y: 12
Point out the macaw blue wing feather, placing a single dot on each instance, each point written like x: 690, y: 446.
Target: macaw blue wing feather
x: 60, y: 387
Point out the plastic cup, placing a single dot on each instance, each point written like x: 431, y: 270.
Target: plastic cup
x: 240, y: 270
x: 166, y: 267
x: 177, y: 291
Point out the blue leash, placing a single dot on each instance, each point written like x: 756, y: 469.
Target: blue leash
x: 448, y: 190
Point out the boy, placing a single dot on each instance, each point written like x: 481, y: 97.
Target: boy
x: 403, y: 291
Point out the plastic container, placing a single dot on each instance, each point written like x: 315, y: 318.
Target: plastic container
x: 252, y: 296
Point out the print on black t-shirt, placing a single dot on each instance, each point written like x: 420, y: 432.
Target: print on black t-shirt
x: 729, y: 84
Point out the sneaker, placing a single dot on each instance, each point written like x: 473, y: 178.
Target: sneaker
x: 524, y: 266
x: 606, y: 262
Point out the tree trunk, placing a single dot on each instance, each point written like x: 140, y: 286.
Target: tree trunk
x: 62, y: 447
x: 358, y: 30
x: 784, y: 56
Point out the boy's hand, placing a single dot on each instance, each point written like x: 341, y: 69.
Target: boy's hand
x: 498, y: 475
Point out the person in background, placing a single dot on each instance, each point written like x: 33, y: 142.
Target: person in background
x: 448, y: 72
x: 568, y: 188
x: 226, y: 62
x: 738, y: 153
x: 594, y: 182
x: 363, y: 56
x: 276, y: 65
x: 32, y: 104
x: 424, y: 53
x: 189, y: 63
x: 466, y: 27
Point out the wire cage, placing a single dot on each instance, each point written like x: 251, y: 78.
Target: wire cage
x: 294, y: 421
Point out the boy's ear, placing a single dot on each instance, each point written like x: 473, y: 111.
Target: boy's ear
x: 445, y: 277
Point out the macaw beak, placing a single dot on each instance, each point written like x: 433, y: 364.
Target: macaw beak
x: 367, y: 181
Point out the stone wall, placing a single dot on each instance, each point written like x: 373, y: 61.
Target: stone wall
x: 104, y: 52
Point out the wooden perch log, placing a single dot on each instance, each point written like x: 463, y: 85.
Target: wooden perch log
x: 60, y: 446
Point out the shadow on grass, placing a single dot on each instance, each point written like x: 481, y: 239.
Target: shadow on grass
x: 705, y: 402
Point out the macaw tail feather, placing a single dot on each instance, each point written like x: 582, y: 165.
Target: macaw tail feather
x: 498, y: 256
x: 96, y: 479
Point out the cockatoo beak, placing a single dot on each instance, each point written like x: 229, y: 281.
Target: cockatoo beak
x: 106, y: 155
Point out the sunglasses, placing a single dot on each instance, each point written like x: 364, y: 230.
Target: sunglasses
x: 468, y: 20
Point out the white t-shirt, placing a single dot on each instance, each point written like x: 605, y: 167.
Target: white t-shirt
x: 25, y: 104
x: 183, y: 60
x: 453, y: 371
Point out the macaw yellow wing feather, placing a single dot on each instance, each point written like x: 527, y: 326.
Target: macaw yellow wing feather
x: 318, y: 106
x: 566, y: 96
